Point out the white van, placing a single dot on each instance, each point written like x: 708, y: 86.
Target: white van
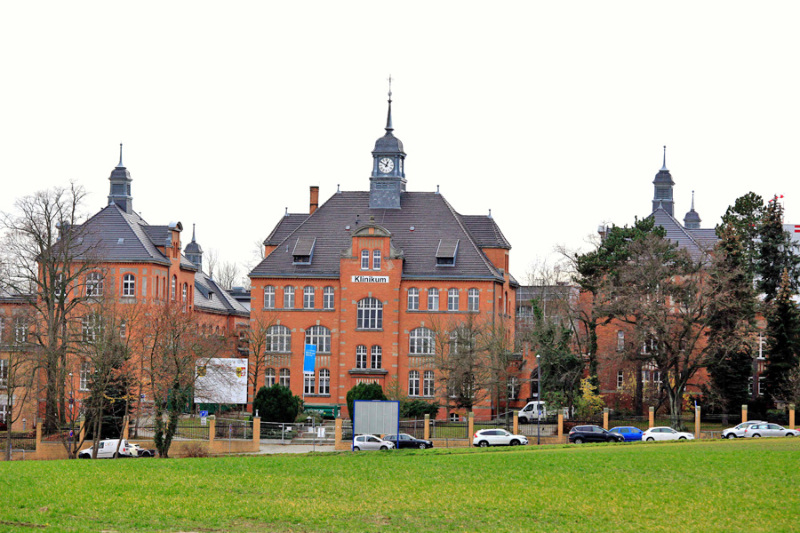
x: 107, y: 449
x: 529, y: 412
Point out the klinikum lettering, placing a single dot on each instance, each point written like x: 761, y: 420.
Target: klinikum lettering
x: 370, y: 279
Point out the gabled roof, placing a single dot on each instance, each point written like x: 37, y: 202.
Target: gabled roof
x: 697, y: 242
x: 486, y: 232
x: 210, y: 297
x: 423, y: 220
x: 284, y: 227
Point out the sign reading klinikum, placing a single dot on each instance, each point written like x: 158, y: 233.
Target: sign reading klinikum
x: 370, y: 279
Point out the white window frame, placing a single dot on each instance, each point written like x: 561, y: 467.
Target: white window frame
x: 620, y: 379
x: 328, y: 298
x: 428, y: 383
x: 473, y: 300
x: 269, y: 377
x: 308, y: 297
x: 413, y: 383
x: 324, y: 381
x: 433, y: 299
x: 278, y: 339
x: 3, y: 373
x: 309, y: 384
x: 269, y: 297
x: 94, y: 284
x: 364, y: 259
x: 369, y: 314
x: 285, y: 377
x: 20, y: 330
x: 376, y: 357
x: 420, y: 341
x: 376, y: 260
x: 361, y: 357
x: 288, y: 297
x: 413, y: 299
x: 85, y: 372
x: 128, y: 285
x: 620, y: 341
x: 452, y: 299
x: 320, y: 336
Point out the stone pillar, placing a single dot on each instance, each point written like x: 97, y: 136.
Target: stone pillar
x: 212, y: 430
x: 516, y: 422
x: 605, y: 418
x: 471, y: 430
x: 337, y: 432
x: 744, y: 413
x: 697, y: 422
x: 560, y: 425
x: 652, y: 421
x: 38, y: 434
x: 791, y: 416
x: 125, y: 428
x: 426, y: 431
x: 257, y: 431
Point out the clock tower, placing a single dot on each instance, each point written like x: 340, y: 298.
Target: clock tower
x: 388, y: 177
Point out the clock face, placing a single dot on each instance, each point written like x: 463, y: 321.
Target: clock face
x: 385, y: 165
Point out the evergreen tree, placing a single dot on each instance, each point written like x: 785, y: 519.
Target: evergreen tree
x: 776, y: 252
x: 364, y: 391
x: 783, y: 341
x: 742, y: 220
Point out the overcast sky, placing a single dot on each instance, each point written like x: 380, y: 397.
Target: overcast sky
x: 552, y: 115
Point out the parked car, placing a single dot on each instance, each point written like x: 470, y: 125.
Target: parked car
x: 138, y: 451
x: 665, y: 433
x: 629, y: 433
x: 107, y: 449
x: 371, y: 442
x: 769, y: 430
x: 404, y: 440
x: 738, y: 431
x: 581, y: 434
x: 532, y: 411
x: 497, y: 437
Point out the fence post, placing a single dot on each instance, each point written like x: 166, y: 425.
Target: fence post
x: 697, y: 422
x: 426, y: 430
x: 560, y: 425
x: 791, y: 416
x: 652, y: 417
x: 257, y: 431
x: 38, y: 434
x: 471, y: 427
x: 516, y: 423
x: 605, y: 418
x: 744, y: 413
x: 337, y: 430
x: 212, y: 430
x: 125, y: 428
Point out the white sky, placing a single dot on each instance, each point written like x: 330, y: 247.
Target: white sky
x: 550, y: 114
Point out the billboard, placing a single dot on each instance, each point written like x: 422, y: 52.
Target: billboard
x: 221, y: 381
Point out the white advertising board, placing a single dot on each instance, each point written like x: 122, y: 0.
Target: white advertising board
x: 221, y: 381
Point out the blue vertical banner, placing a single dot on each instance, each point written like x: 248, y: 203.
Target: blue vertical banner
x: 309, y: 358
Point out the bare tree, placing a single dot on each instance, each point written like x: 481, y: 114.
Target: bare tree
x: 16, y: 374
x: 257, y: 347
x: 227, y: 275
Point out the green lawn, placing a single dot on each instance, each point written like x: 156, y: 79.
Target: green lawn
x: 692, y: 486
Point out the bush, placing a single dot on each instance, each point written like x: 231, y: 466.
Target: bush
x: 277, y: 404
x: 417, y: 409
x: 195, y: 449
x: 364, y: 391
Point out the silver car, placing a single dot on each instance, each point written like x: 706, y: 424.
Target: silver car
x: 497, y: 437
x: 769, y: 430
x: 738, y: 431
x: 371, y: 442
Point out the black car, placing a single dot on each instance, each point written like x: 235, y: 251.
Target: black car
x: 404, y: 440
x: 581, y: 434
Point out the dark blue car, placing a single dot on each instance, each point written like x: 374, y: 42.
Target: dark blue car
x: 630, y: 433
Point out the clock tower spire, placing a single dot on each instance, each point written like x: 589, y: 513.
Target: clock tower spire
x: 388, y: 179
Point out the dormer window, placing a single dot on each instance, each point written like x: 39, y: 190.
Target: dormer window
x: 303, y: 250
x: 446, y: 252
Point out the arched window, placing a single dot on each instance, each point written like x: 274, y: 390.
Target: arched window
x: 413, y: 299
x: 184, y: 296
x: 284, y: 377
x: 94, y: 284
x: 413, y: 383
x: 375, y: 360
x: 288, y: 297
x: 370, y: 314
x: 173, y: 287
x: 324, y: 381
x: 320, y: 336
x: 361, y: 356
x: 427, y: 383
x: 278, y: 339
x: 376, y: 260
x: 308, y: 297
x: 364, y: 259
x: 420, y: 342
x: 128, y: 285
x: 269, y: 297
x: 473, y: 301
x: 269, y: 377
x: 452, y: 299
x: 327, y: 298
x: 433, y: 299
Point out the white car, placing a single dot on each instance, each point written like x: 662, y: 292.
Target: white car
x: 497, y: 437
x: 665, y: 433
x: 371, y: 442
x: 769, y: 430
x: 738, y: 431
x: 108, y: 449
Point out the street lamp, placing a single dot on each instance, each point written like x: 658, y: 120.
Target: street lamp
x: 539, y: 399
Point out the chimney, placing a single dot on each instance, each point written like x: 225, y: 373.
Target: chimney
x: 314, y: 200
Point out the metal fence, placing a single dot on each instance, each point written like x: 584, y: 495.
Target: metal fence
x: 415, y: 428
x: 230, y: 428
x: 441, y: 429
x: 280, y: 431
x: 19, y: 441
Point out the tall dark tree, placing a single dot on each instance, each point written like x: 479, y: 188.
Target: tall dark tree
x: 783, y: 342
x: 776, y: 252
x: 277, y: 404
x: 742, y: 221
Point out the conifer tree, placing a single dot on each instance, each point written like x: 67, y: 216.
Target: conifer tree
x: 783, y: 326
x: 776, y: 252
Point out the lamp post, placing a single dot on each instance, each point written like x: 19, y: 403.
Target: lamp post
x: 539, y: 400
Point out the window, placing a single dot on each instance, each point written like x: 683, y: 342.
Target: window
x: 288, y: 297
x: 2, y: 330
x: 320, y: 336
x: 59, y: 288
x: 512, y: 388
x: 452, y: 299
x: 370, y: 314
x: 123, y: 329
x: 308, y: 297
x: 413, y: 383
x: 3, y: 373
x: 364, y: 259
x: 327, y: 298
x: 620, y: 341
x: 269, y: 297
x: 184, y: 294
x: 473, y: 300
x: 90, y: 327
x: 173, y: 287
x: 279, y: 339
x: 375, y: 361
x: 433, y: 299
x: 420, y: 341
x: 94, y: 284
x: 324, y: 381
x: 427, y: 383
x: 760, y: 386
x: 20, y: 330
x: 308, y: 384
x: 269, y: 377
x: 86, y: 371
x: 376, y: 260
x: 128, y: 285
x: 462, y: 340
x: 620, y: 379
x: 413, y: 299
x: 361, y: 356
x: 284, y: 377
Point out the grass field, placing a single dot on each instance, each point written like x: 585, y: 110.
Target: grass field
x: 736, y: 485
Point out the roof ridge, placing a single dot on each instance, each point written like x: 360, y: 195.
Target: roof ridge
x: 477, y: 248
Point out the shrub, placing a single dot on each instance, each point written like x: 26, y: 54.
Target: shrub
x: 364, y: 391
x: 277, y: 404
x: 417, y: 409
x: 195, y: 449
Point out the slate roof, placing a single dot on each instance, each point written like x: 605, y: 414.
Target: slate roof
x: 284, y: 227
x: 486, y: 231
x: 333, y: 223
x: 210, y: 297
x: 697, y: 242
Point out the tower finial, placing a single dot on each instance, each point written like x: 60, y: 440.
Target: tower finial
x: 692, y: 200
x: 664, y: 164
x: 192, y: 231
x: 389, y: 115
x: 120, y: 156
